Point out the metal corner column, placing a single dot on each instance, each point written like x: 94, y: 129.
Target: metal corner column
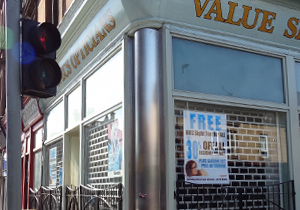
x: 150, y: 157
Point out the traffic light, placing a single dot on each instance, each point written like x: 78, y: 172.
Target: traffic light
x: 40, y: 72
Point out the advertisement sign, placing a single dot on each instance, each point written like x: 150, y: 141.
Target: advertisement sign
x: 205, y: 141
x: 52, y: 167
x: 114, y: 149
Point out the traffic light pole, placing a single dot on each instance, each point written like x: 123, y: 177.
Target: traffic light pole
x: 13, y: 107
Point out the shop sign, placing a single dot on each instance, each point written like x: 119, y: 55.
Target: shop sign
x: 52, y: 167
x: 246, y: 16
x: 30, y: 112
x: 94, y: 35
x: 205, y: 141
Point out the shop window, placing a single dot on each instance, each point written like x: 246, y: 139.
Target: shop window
x: 54, y: 160
x: 210, y: 69
x: 104, y: 146
x: 55, y: 121
x: 298, y: 81
x: 37, y: 179
x: 38, y: 142
x: 28, y: 140
x: 105, y: 87
x: 74, y: 108
x: 38, y: 139
x: 254, y: 142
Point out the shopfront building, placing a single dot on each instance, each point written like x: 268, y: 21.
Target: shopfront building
x: 149, y: 86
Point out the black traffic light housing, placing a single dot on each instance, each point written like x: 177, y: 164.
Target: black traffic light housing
x: 40, y: 72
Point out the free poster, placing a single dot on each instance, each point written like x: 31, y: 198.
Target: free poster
x: 205, y: 141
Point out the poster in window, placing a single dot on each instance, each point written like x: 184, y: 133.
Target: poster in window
x: 60, y: 176
x: 115, y: 156
x: 205, y: 141
x: 52, y: 167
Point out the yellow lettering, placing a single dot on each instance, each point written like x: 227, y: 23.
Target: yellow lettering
x: 298, y: 36
x: 86, y: 50
x: 292, y: 27
x: 267, y: 21
x: 245, y: 17
x: 69, y: 68
x: 88, y: 47
x: 231, y: 13
x: 74, y: 65
x: 63, y: 73
x: 82, y: 54
x: 215, y: 8
x: 111, y: 19
x: 99, y: 35
x: 95, y: 42
x: 76, y: 55
x: 199, y: 9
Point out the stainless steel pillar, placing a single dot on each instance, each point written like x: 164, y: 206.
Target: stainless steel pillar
x: 150, y: 155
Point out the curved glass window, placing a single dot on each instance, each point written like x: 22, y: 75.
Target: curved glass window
x: 218, y: 70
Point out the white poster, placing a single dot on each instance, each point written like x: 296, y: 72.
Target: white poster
x: 205, y: 142
x: 52, y: 167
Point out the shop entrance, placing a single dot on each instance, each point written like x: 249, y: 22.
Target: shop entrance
x: 72, y: 155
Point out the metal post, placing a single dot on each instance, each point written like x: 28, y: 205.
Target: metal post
x: 13, y: 106
x: 149, y: 121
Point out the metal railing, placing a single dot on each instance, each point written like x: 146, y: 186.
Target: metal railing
x: 87, y: 197
x: 46, y: 198
x: 72, y: 195
x: 276, y: 196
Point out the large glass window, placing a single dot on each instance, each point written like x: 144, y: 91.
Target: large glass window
x: 74, y: 107
x: 55, y: 121
x: 54, y: 160
x: 253, y: 142
x: 38, y: 139
x: 105, y: 150
x: 217, y: 70
x: 38, y: 142
x: 105, y: 87
x: 298, y: 81
x: 37, y: 181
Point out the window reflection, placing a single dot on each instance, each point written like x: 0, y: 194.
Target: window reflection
x: 105, y: 87
x: 55, y: 121
x: 217, y: 70
x: 74, y: 107
x: 38, y: 139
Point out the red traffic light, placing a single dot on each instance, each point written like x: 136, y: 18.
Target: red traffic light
x: 45, y: 38
x: 40, y: 72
